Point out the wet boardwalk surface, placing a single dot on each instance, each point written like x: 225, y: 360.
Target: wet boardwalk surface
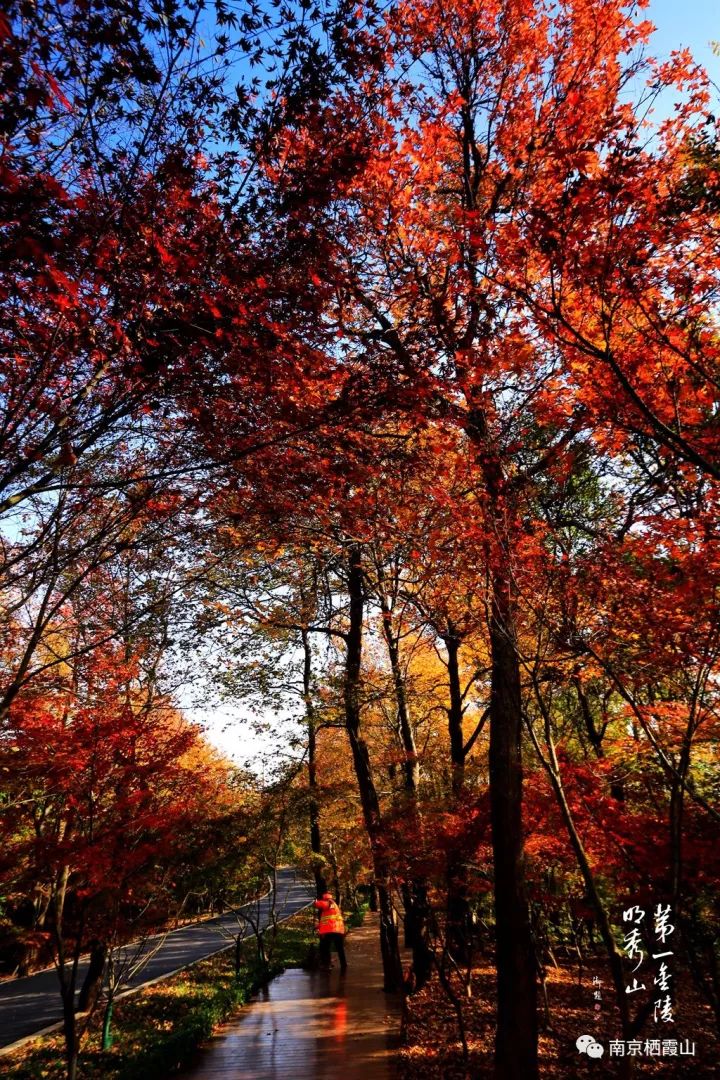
x: 313, y: 1025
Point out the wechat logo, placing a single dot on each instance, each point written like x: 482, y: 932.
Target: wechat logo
x: 586, y: 1045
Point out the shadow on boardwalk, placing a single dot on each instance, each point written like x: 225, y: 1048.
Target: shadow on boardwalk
x: 313, y: 1025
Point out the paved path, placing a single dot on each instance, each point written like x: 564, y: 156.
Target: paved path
x: 33, y: 1003
x: 313, y: 1026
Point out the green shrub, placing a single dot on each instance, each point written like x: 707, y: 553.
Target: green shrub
x: 357, y: 917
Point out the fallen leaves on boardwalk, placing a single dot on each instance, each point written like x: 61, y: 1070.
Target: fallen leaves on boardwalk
x: 433, y: 1050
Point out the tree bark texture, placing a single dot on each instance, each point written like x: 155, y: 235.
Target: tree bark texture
x: 392, y: 966
x: 411, y: 768
x: 314, y: 806
x: 459, y: 924
x: 516, y: 1039
x: 517, y: 1026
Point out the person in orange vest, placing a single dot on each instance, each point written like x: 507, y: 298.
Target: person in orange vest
x: 332, y: 932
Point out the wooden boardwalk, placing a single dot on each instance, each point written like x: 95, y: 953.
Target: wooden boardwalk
x: 313, y: 1025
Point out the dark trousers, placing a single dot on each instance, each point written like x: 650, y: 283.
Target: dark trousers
x: 326, y: 943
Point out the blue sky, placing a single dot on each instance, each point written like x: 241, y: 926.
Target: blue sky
x: 687, y: 23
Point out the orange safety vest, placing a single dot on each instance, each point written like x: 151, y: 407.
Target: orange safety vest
x: 331, y: 920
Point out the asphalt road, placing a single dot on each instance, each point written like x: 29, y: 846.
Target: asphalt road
x: 33, y: 1003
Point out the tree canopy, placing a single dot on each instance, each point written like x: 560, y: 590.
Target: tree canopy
x: 372, y: 352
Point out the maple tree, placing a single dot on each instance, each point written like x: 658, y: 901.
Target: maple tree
x: 128, y: 286
x: 103, y: 806
x: 394, y: 370
x: 436, y: 240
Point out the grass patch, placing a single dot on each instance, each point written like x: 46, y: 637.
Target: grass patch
x: 157, y: 1030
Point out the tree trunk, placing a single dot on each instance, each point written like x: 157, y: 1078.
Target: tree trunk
x: 332, y: 857
x: 92, y: 984
x: 455, y: 713
x: 617, y: 787
x: 677, y: 806
x: 392, y: 966
x: 67, y: 973
x: 414, y: 891
x: 517, y: 1027
x: 71, y: 1051
x: 459, y: 927
x: 314, y: 806
x: 516, y: 1040
x: 411, y: 767
x: 70, y: 1032
x: 417, y: 915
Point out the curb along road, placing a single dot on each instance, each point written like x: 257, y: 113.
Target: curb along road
x: 31, y: 1006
